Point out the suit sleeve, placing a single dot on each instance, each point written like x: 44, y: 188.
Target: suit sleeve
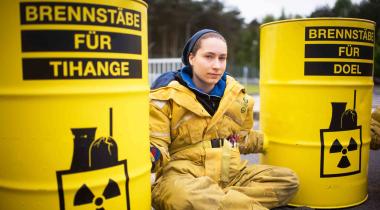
x: 159, y: 127
x: 250, y: 141
x: 375, y: 129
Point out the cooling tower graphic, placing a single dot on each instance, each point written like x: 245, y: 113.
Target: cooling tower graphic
x: 96, y: 180
x: 341, y: 143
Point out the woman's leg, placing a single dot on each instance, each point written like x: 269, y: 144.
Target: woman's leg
x: 271, y: 186
x: 186, y: 192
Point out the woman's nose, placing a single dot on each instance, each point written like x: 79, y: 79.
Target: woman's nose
x: 217, y: 63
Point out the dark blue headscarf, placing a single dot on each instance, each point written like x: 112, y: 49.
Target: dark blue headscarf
x: 190, y: 44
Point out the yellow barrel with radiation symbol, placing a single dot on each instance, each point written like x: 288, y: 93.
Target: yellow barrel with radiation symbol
x: 74, y: 105
x: 316, y: 84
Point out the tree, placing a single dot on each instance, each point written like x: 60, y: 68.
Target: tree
x: 268, y: 18
x: 166, y: 26
x: 171, y: 22
x: 248, y: 53
x: 324, y: 11
x: 342, y: 8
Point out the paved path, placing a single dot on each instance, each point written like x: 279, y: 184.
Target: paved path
x: 375, y: 101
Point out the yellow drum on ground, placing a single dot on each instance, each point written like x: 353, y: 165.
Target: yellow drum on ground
x: 316, y: 84
x: 74, y: 105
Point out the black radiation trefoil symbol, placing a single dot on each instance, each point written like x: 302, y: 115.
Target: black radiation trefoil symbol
x: 338, y: 148
x: 85, y: 196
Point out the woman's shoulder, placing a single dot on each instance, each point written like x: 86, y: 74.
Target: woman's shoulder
x: 235, y: 84
x: 166, y: 87
x: 164, y: 79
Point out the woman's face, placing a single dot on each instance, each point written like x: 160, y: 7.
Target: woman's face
x: 208, y: 63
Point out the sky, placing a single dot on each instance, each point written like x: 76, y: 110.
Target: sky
x: 251, y: 9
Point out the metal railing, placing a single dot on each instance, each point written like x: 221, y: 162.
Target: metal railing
x: 157, y: 66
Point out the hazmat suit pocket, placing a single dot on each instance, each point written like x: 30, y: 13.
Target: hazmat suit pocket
x: 213, y: 163
x: 236, y: 165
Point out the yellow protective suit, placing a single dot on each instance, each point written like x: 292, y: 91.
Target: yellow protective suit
x: 191, y: 173
x: 375, y: 129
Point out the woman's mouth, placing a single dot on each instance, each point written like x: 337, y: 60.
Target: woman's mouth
x: 214, y: 75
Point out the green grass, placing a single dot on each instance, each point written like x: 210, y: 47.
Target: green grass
x: 252, y: 89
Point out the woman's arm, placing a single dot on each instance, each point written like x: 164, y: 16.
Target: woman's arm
x: 159, y: 126
x: 375, y: 129
x: 250, y: 141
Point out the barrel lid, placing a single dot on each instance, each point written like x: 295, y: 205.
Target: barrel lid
x: 318, y: 19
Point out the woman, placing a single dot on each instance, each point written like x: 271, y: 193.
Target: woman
x: 375, y: 129
x: 200, y: 121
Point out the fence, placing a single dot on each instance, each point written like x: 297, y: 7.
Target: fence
x: 157, y: 66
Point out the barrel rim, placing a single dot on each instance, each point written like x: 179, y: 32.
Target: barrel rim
x: 316, y: 19
x: 144, y: 3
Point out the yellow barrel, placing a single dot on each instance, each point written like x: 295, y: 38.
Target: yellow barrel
x: 316, y: 84
x: 74, y: 105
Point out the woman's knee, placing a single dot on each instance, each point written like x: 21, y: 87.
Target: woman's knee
x: 186, y: 192
x: 289, y: 177
x: 287, y: 184
x: 170, y: 194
